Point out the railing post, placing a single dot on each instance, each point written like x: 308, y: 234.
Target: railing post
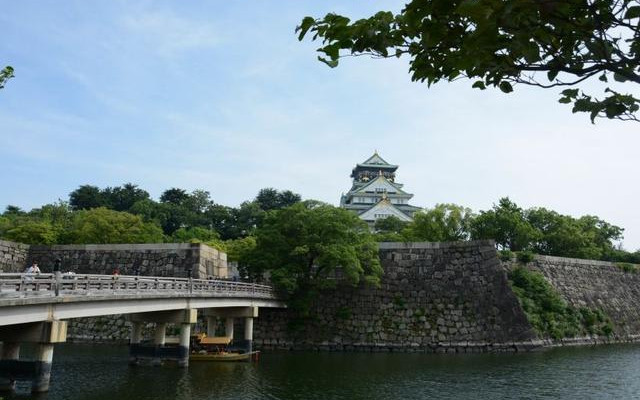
x: 57, y: 277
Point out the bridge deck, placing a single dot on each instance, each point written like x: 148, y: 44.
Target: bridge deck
x: 38, y: 297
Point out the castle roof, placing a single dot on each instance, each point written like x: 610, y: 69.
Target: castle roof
x: 382, y: 183
x: 375, y: 161
x: 384, y: 209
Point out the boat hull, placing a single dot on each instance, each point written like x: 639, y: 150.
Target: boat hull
x: 223, y: 356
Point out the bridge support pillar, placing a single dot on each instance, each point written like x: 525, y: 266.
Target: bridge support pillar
x: 134, y: 342
x: 44, y: 359
x: 185, y: 338
x: 37, y: 370
x: 248, y: 333
x: 10, y: 352
x: 230, y: 314
x: 211, y: 326
x: 159, y: 340
x: 161, y: 350
x: 228, y: 327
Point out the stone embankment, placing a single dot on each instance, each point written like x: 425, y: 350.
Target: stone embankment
x: 434, y: 297
x: 440, y: 297
x: 596, y: 285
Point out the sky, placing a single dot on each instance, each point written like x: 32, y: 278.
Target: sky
x: 221, y: 96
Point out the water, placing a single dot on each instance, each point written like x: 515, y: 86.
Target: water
x: 101, y: 372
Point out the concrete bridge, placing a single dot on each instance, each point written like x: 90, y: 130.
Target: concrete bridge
x: 34, y: 308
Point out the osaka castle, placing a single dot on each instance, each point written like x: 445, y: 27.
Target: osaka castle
x: 375, y: 193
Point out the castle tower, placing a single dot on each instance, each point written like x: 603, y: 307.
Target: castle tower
x: 375, y: 194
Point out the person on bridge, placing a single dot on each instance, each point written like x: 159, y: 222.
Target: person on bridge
x: 33, y: 269
x: 116, y: 272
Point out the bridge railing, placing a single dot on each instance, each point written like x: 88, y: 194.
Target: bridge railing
x: 42, y: 285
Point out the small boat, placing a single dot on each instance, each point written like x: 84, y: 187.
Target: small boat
x: 223, y: 356
x: 205, y: 348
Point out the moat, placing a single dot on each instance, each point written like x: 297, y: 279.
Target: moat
x: 101, y: 372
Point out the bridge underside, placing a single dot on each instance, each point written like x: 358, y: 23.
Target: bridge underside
x: 93, y: 307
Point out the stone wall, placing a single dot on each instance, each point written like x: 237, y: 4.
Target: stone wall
x: 160, y: 259
x: 13, y: 256
x: 433, y: 297
x: 596, y: 285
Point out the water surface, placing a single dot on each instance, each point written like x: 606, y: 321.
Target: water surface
x: 101, y: 372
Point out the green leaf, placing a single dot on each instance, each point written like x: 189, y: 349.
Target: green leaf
x: 479, y: 85
x: 564, y: 100
x: 331, y: 63
x: 570, y: 92
x: 603, y: 77
x: 551, y: 75
x: 619, y: 78
x: 632, y: 12
x: 505, y: 87
x: 307, y: 23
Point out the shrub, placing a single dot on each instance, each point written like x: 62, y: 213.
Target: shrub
x: 627, y: 267
x: 505, y: 255
x: 525, y: 257
x: 549, y: 314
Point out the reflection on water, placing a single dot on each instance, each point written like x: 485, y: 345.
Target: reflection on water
x: 101, y: 372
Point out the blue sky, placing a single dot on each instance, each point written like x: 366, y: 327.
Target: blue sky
x: 221, y: 96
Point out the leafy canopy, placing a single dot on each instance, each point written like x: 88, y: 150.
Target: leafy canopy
x: 443, y: 223
x: 310, y: 246
x: 5, y: 74
x: 499, y: 43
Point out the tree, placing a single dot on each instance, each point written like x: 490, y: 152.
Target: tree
x: 311, y: 246
x: 13, y: 210
x: 122, y: 198
x: 5, y: 74
x: 507, y: 225
x: 560, y: 234
x: 101, y: 225
x: 195, y: 234
x: 221, y: 219
x: 389, y: 229
x: 443, y: 223
x: 32, y: 232
x: 247, y: 217
x: 389, y: 224
x: 240, y: 251
x: 174, y: 196
x: 86, y: 197
x: 271, y: 199
x: 548, y: 44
